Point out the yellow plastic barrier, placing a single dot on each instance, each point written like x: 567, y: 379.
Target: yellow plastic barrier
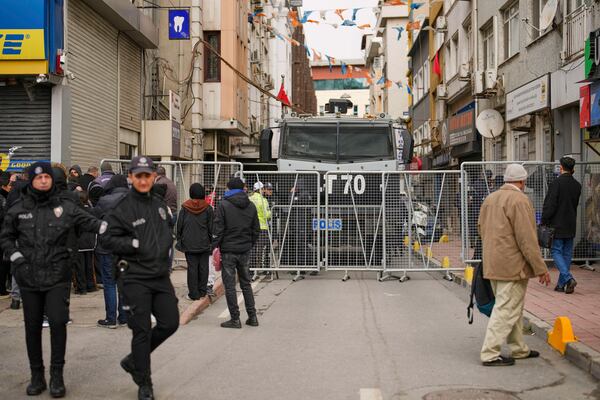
x: 561, y: 334
x: 469, y: 274
x: 446, y: 262
x: 444, y: 239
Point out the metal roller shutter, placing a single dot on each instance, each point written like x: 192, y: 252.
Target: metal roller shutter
x: 130, y: 65
x: 25, y: 121
x: 92, y: 44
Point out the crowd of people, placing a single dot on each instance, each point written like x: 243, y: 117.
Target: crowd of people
x: 64, y: 230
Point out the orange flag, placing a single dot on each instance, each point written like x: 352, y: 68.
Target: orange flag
x: 340, y: 11
x: 316, y: 55
x: 395, y: 3
x: 411, y: 26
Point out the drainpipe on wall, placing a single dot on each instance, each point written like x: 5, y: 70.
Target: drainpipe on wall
x: 197, y: 135
x: 475, y: 38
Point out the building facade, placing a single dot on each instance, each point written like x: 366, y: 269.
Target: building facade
x: 72, y: 99
x: 335, y: 84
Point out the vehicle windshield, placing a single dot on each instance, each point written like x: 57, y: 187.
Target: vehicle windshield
x: 352, y: 143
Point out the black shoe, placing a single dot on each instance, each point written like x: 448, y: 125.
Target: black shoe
x: 57, y: 384
x: 252, y: 321
x: 121, y: 323
x: 570, y: 286
x: 104, y: 323
x: 15, y: 304
x: 129, y: 367
x: 559, y: 288
x: 145, y: 392
x: 38, y: 382
x: 232, y: 323
x: 533, y: 354
x: 92, y: 289
x: 81, y: 292
x: 499, y: 362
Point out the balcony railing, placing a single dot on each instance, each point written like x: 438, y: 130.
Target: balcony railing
x: 575, y: 32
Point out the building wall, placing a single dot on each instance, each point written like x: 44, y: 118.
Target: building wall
x: 303, y: 92
x: 358, y: 97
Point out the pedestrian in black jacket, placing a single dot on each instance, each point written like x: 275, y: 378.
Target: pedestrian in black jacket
x: 116, y: 189
x: 236, y: 229
x: 35, y: 235
x: 140, y: 234
x: 560, y: 212
x: 194, y: 237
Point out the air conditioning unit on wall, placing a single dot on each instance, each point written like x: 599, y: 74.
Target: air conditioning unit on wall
x: 441, y: 23
x: 442, y: 91
x: 464, y: 74
x: 478, y: 83
x: 490, y: 78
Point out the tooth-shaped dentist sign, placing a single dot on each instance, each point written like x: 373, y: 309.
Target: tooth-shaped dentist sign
x: 178, y: 23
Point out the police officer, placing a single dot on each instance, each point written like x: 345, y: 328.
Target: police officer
x: 140, y: 235
x: 35, y: 236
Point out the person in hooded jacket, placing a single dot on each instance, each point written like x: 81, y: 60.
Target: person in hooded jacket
x: 75, y: 173
x: 86, y: 243
x: 236, y: 230
x: 116, y: 190
x: 140, y: 235
x: 194, y: 236
x: 35, y: 236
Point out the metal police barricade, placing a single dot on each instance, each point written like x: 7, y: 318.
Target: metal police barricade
x: 289, y: 205
x: 479, y: 179
x: 587, y: 242
x: 422, y: 229
x: 353, y: 222
x: 212, y: 175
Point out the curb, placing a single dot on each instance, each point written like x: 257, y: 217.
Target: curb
x: 578, y: 353
x: 200, y: 305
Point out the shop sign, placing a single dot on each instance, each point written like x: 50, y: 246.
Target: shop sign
x: 442, y: 159
x: 15, y: 164
x: 529, y: 98
x: 176, y: 138
x: 595, y: 104
x: 179, y: 24
x: 592, y: 55
x: 22, y: 30
x: 461, y: 126
x: 584, y: 107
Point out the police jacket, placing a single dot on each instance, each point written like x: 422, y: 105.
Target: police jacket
x: 35, y: 236
x: 140, y: 232
x: 236, y: 227
x: 194, y: 227
x: 560, y: 206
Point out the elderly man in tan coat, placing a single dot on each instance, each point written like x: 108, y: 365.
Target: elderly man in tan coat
x: 511, y: 256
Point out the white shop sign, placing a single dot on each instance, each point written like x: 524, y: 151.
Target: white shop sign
x: 529, y: 98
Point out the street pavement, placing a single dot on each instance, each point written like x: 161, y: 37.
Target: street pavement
x: 318, y: 338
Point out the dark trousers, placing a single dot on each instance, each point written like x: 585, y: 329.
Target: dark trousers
x: 112, y: 298
x: 97, y: 268
x: 156, y: 297
x: 84, y: 271
x: 259, y: 255
x: 55, y: 302
x: 197, y: 274
x: 4, y: 274
x: 232, y: 263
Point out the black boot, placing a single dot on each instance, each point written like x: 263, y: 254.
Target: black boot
x: 252, y: 320
x: 145, y: 391
x: 232, y: 323
x: 57, y: 384
x: 38, y: 382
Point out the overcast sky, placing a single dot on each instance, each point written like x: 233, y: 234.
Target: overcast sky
x: 343, y: 42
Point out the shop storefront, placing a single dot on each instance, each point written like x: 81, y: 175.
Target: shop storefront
x: 463, y: 140
x: 31, y: 40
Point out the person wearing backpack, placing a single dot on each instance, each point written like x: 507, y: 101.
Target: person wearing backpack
x: 194, y: 236
x: 511, y: 256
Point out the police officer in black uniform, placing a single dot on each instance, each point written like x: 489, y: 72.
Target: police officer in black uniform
x: 140, y: 235
x: 35, y: 236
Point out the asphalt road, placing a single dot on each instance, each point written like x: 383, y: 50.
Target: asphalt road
x: 319, y: 338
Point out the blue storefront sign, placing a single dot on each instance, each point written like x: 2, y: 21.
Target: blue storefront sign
x: 179, y: 24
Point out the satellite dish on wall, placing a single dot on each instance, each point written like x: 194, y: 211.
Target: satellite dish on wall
x: 490, y: 123
x: 548, y: 14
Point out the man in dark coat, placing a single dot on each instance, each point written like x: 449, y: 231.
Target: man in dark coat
x: 194, y: 236
x: 116, y: 190
x: 235, y: 232
x: 140, y: 236
x: 560, y: 212
x: 35, y: 236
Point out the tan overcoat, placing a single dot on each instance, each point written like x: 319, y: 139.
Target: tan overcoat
x: 507, y: 228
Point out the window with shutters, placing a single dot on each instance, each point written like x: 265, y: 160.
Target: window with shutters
x: 212, y: 63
